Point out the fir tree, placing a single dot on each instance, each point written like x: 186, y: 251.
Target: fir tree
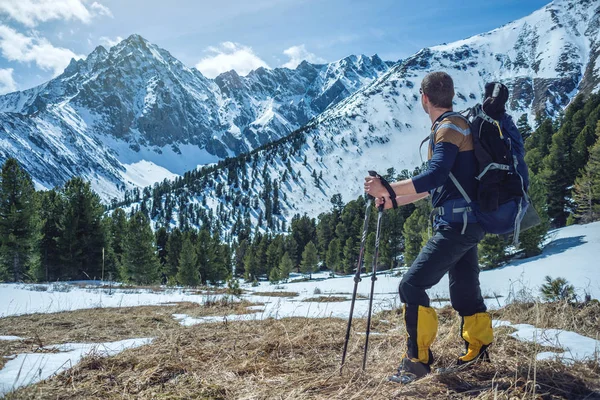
x: 415, y: 232
x: 83, y: 236
x: 492, y: 251
x: 141, y: 261
x: 333, y: 255
x: 523, y: 126
x: 118, y: 233
x: 161, y: 243
x: 349, y: 259
x: 310, y: 260
x: 557, y: 289
x: 19, y: 223
x: 51, y: 212
x: 174, y: 245
x: 285, y: 267
x: 532, y: 238
x: 188, y: 264
x: 206, y: 255
x: 274, y: 253
x: 274, y: 275
x: 239, y: 254
x: 369, y: 252
x: 587, y: 186
x: 250, y: 265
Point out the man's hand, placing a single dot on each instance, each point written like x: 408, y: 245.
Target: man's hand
x: 388, y: 203
x: 401, y: 200
x: 374, y: 187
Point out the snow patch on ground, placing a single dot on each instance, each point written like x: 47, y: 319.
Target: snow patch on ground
x: 186, y: 320
x: 10, y: 338
x: 28, y: 368
x: 576, y: 347
x: 19, y: 299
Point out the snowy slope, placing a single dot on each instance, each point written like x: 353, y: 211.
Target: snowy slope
x: 136, y: 103
x: 543, y: 58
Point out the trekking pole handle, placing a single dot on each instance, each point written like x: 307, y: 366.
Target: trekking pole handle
x: 387, y: 186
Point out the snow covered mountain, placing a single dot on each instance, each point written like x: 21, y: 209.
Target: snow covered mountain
x: 133, y: 115
x: 545, y: 58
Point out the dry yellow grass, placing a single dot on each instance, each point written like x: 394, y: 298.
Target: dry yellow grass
x: 298, y: 358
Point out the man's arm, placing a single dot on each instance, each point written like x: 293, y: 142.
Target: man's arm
x: 441, y: 162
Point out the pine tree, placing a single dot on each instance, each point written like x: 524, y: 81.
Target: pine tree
x: 188, y: 264
x: 83, y: 236
x: 557, y: 289
x: 492, y: 251
x: 274, y: 275
x: 206, y: 255
x: 583, y: 142
x: 333, y: 255
x: 162, y: 236
x: 19, y: 223
x: 538, y: 146
x: 239, y: 254
x: 350, y: 255
x: 51, y: 212
x: 587, y: 186
x: 250, y: 266
x: 141, y: 264
x: 416, y: 232
x: 369, y: 252
x: 532, y: 238
x: 174, y: 245
x: 523, y: 126
x: 118, y: 233
x: 310, y: 260
x: 285, y: 267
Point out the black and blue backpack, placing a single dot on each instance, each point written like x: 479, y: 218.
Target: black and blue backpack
x: 503, y: 178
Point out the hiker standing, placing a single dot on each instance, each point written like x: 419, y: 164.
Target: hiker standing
x: 453, y: 247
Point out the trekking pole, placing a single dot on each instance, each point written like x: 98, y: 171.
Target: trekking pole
x: 357, y: 278
x: 373, y: 279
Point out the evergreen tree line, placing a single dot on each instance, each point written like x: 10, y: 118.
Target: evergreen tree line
x: 66, y: 234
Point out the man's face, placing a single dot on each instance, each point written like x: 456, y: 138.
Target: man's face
x: 424, y: 101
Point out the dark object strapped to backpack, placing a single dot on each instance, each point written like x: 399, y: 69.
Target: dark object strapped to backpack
x: 503, y: 179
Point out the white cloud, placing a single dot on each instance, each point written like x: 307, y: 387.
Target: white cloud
x: 7, y: 83
x: 32, y: 12
x: 101, y: 9
x: 229, y: 56
x: 297, y: 54
x: 18, y: 47
x: 108, y: 42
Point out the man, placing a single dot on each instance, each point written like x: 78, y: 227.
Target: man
x: 453, y: 248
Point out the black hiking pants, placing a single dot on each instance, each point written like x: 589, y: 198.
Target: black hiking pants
x: 447, y: 251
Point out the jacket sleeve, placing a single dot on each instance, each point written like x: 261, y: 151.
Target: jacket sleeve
x: 440, y: 164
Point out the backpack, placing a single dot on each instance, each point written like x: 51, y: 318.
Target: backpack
x: 503, y: 179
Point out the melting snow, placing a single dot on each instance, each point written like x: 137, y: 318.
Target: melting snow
x: 576, y: 347
x: 26, y: 369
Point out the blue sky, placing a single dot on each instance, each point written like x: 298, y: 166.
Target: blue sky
x: 39, y: 37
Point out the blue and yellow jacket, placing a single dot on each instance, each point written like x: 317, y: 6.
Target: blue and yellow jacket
x: 450, y: 150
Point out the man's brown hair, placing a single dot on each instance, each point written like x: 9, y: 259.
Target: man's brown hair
x: 439, y: 87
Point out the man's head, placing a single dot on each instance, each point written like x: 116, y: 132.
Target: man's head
x: 437, y: 91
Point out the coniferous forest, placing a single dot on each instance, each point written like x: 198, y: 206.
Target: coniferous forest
x: 67, y: 233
